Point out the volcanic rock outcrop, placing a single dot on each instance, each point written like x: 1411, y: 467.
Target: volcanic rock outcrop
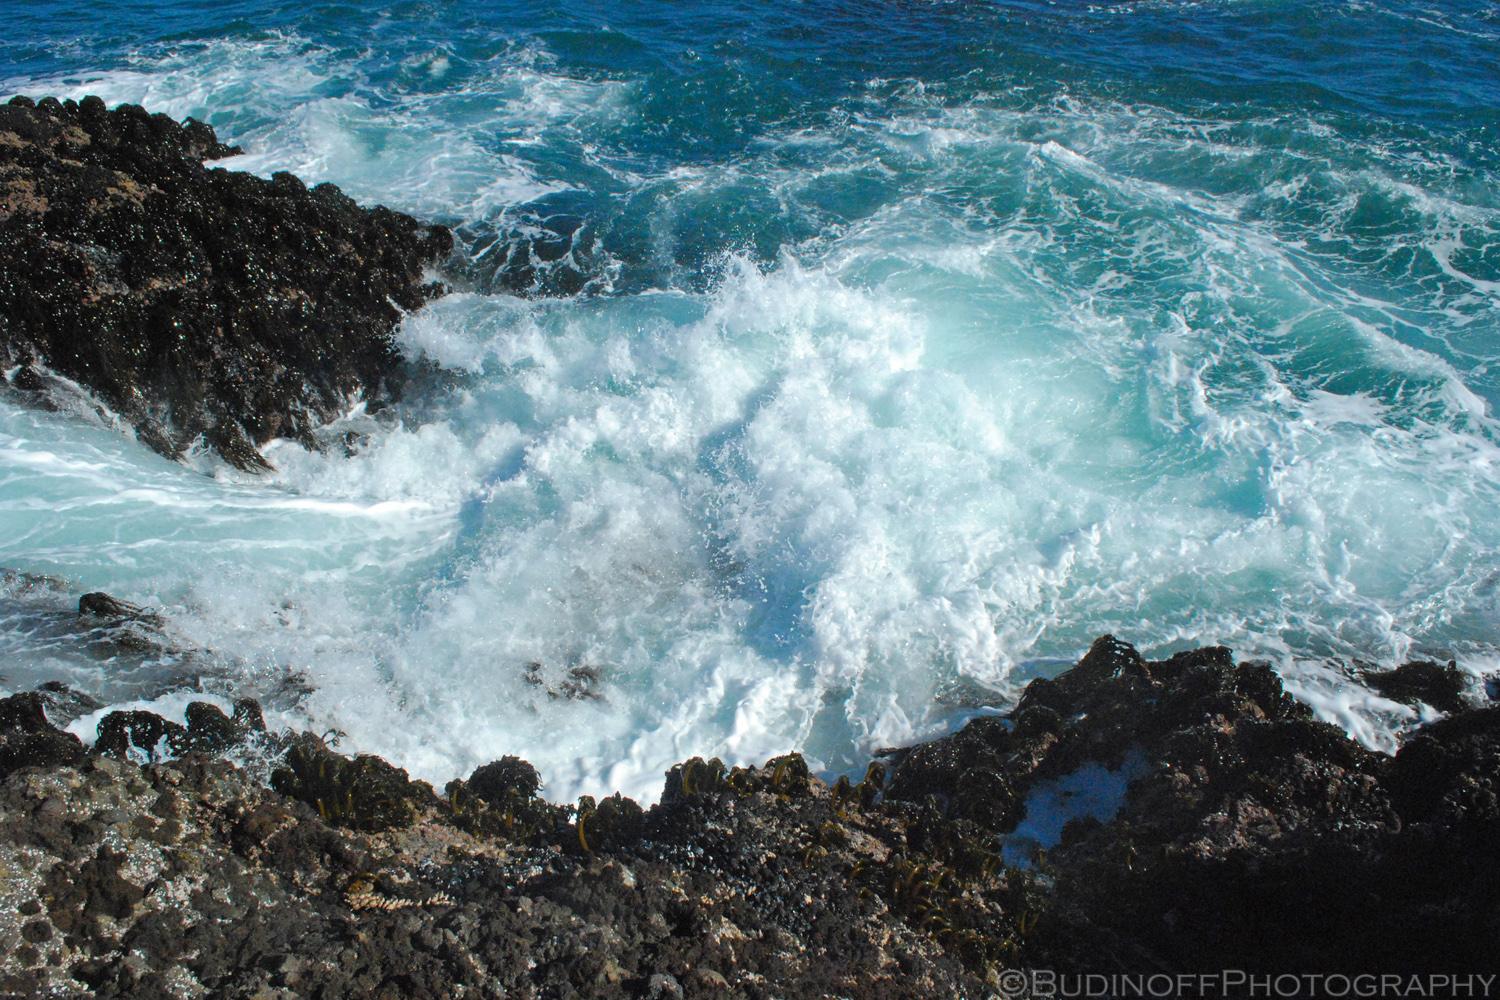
x: 194, y: 302
x: 1244, y: 834
x: 1247, y: 834
x: 1128, y: 816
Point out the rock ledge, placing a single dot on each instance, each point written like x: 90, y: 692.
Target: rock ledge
x: 194, y: 302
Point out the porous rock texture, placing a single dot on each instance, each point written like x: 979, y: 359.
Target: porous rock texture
x: 1251, y: 836
x: 1255, y: 837
x: 194, y: 302
x: 190, y: 878
x: 209, y: 857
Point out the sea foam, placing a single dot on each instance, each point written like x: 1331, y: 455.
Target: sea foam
x: 862, y: 424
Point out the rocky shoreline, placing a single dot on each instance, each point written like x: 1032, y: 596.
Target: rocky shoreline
x: 1128, y: 816
x: 1233, y: 831
x: 197, y: 304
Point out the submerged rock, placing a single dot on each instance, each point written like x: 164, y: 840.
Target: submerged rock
x: 194, y: 302
x: 20, y: 584
x: 113, y: 628
x: 64, y: 704
x: 112, y: 609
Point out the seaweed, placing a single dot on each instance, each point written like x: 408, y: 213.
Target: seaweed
x: 361, y: 793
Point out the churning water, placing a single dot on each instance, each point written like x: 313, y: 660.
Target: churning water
x: 824, y: 370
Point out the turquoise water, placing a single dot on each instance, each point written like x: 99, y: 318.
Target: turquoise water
x: 827, y: 370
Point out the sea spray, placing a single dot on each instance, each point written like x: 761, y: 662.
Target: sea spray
x: 831, y: 415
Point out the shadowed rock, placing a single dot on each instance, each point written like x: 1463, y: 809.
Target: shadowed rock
x: 27, y: 739
x: 1248, y: 830
x: 64, y: 704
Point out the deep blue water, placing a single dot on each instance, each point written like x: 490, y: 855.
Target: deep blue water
x: 829, y: 368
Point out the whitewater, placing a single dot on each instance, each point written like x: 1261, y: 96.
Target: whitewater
x: 817, y: 375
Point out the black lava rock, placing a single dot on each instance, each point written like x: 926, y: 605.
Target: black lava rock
x: 27, y: 739
x: 1249, y: 836
x: 504, y: 780
x: 362, y: 793
x: 1442, y: 687
x: 142, y: 735
x: 195, y: 302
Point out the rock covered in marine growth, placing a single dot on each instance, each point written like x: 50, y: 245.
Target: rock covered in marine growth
x: 150, y: 868
x: 194, y: 301
x: 1249, y: 835
x: 1246, y: 835
x: 28, y: 739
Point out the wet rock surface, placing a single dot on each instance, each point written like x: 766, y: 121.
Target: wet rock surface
x: 1248, y: 835
x: 137, y: 646
x: 194, y: 302
x: 28, y: 739
x: 1252, y: 837
x: 1422, y: 682
x: 1128, y: 816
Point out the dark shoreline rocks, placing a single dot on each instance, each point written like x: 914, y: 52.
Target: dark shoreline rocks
x: 1255, y: 836
x: 194, y: 302
x: 1245, y: 835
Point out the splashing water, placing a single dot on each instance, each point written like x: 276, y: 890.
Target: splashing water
x: 870, y: 362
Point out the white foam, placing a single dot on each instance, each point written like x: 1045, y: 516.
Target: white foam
x: 172, y: 707
x: 1042, y: 386
x: 305, y: 108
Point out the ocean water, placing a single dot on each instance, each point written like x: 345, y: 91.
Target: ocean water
x: 823, y: 371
